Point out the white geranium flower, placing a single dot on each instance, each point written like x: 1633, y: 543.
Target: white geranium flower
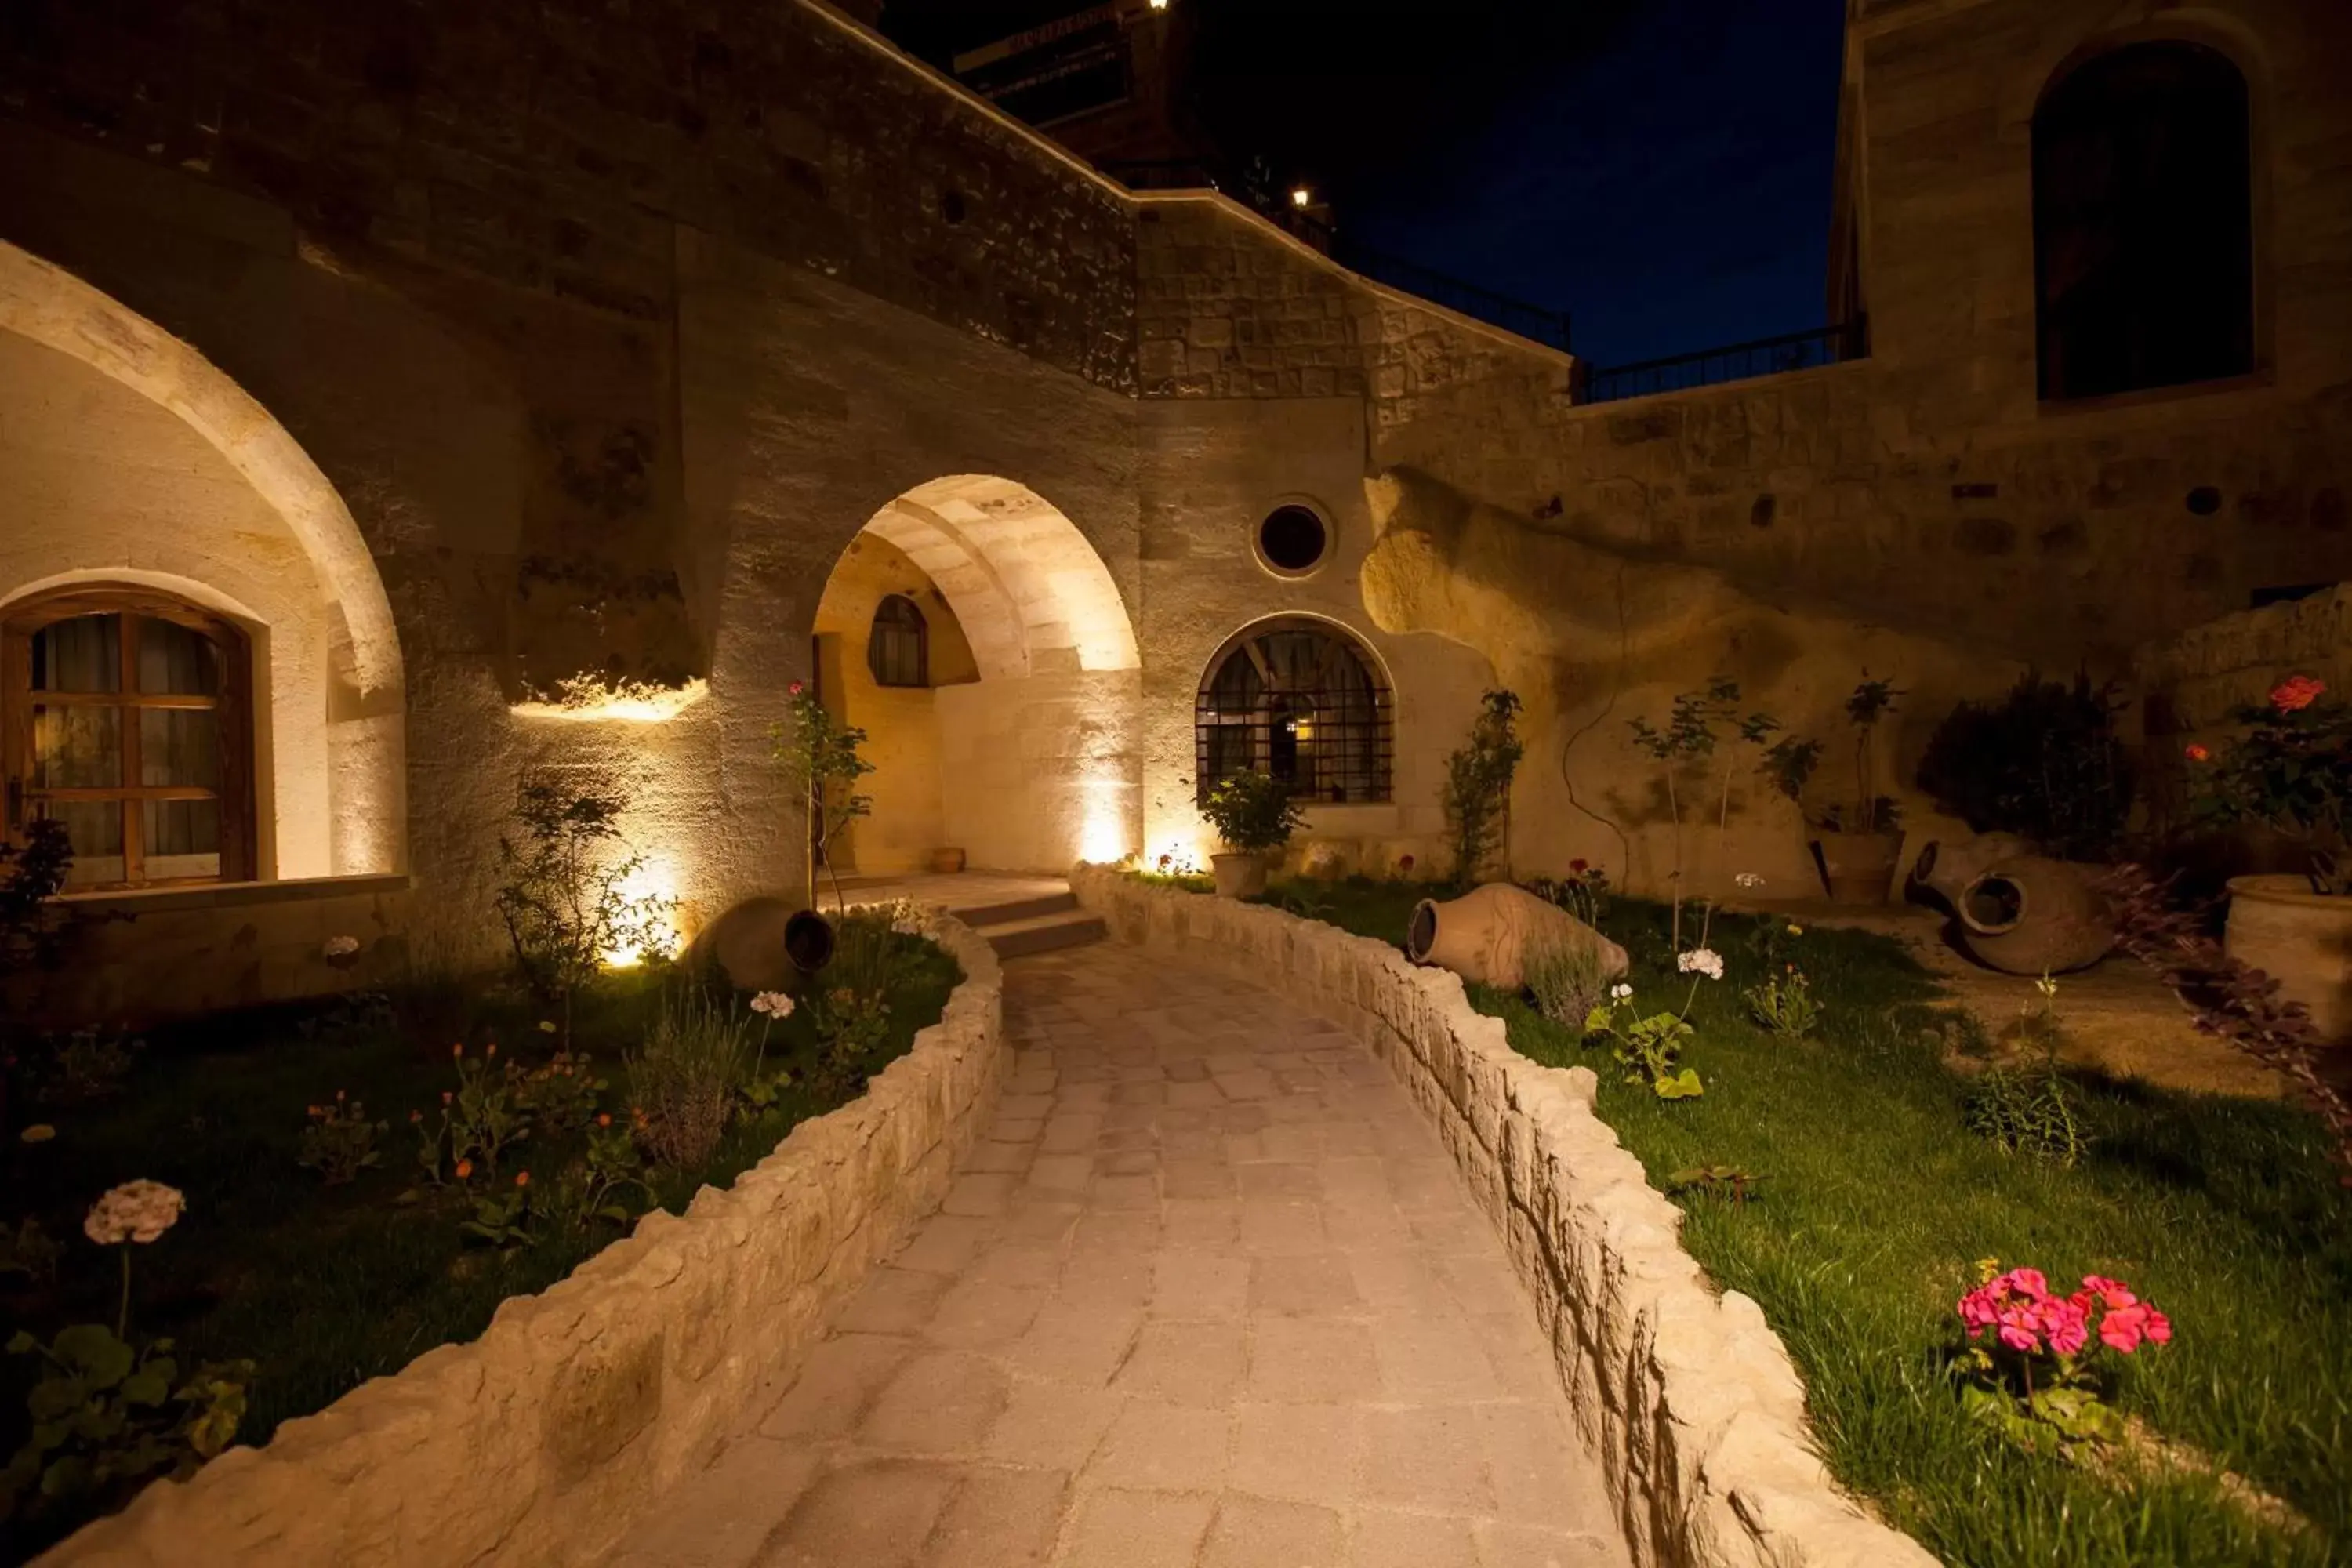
x: 136, y: 1211
x: 1749, y: 879
x: 772, y: 1005
x: 1701, y: 960
x: 1619, y: 991
x: 341, y: 946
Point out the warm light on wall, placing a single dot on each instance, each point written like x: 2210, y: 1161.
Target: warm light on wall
x: 651, y: 894
x: 587, y: 700
x: 1104, y: 838
x: 1301, y: 197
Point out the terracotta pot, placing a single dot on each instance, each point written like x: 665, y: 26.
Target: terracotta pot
x: 809, y: 941
x: 1239, y: 876
x: 1946, y: 867
x: 2032, y: 915
x: 2301, y: 938
x: 1859, y: 866
x: 1488, y: 935
x: 947, y: 862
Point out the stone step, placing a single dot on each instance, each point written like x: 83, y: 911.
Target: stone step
x: 1006, y: 911
x: 1044, y: 933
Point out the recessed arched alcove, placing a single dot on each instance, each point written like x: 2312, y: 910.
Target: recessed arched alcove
x: 130, y: 464
x: 1018, y: 745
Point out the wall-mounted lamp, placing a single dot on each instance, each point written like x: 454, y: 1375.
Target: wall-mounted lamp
x: 1301, y: 197
x: 1160, y: 5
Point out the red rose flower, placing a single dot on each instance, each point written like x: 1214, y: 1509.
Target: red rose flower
x: 2197, y: 754
x: 2296, y: 691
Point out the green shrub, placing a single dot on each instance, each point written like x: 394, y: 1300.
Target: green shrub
x: 1479, y: 786
x: 1783, y: 1005
x: 567, y: 900
x: 2044, y: 762
x: 340, y: 1141
x: 684, y: 1077
x: 1253, y: 811
x: 1566, y: 980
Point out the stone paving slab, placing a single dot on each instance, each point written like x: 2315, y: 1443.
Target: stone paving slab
x: 1209, y: 1295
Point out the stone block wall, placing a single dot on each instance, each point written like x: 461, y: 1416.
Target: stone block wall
x: 550, y: 147
x: 1686, y: 1393
x: 541, y: 1442
x: 2203, y: 674
x: 1227, y: 305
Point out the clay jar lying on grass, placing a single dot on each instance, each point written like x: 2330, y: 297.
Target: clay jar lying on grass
x: 1490, y: 933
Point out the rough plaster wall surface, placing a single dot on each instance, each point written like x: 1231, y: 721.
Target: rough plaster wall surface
x: 97, y: 483
x: 1591, y: 639
x: 1683, y: 1392
x: 541, y: 1441
x: 1212, y: 470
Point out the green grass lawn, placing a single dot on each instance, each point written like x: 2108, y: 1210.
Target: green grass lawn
x: 1875, y: 1201
x: 326, y: 1286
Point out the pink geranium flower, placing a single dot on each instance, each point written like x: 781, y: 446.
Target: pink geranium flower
x: 2068, y: 1325
x: 2123, y: 1328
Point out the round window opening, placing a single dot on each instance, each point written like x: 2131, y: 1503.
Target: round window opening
x: 1292, y: 540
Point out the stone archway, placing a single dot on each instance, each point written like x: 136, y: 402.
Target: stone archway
x: 1035, y: 747
x: 336, y: 761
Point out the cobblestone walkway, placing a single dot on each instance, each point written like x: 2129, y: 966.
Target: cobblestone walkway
x: 1209, y: 1293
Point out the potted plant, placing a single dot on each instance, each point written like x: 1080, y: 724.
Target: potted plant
x: 1859, y: 841
x: 2290, y: 772
x: 1254, y: 814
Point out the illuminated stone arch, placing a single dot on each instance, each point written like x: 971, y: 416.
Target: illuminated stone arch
x: 1041, y: 749
x: 1033, y: 595
x: 337, y: 803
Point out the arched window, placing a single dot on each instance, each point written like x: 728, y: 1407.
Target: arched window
x: 1302, y: 700
x: 125, y: 714
x: 2143, y: 227
x: 897, y: 650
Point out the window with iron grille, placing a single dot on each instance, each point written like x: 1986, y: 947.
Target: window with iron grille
x: 1300, y: 699
x: 897, y: 650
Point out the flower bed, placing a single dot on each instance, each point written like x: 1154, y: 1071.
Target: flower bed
x: 1836, y: 1179
x: 328, y: 1267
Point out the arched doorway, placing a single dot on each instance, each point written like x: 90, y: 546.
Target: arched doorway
x: 132, y: 466
x: 1017, y: 745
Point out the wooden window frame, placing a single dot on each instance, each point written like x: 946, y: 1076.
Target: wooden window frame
x: 922, y: 630
x: 232, y: 709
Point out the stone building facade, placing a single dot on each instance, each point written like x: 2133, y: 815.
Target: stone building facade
x: 459, y: 358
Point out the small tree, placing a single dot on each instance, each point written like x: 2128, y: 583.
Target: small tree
x: 1479, y: 786
x: 1689, y: 736
x: 566, y: 901
x: 820, y: 756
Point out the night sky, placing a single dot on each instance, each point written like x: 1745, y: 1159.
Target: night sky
x: 1659, y: 168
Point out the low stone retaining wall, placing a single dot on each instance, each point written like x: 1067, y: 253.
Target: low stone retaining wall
x: 1685, y: 1392
x: 541, y: 1441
